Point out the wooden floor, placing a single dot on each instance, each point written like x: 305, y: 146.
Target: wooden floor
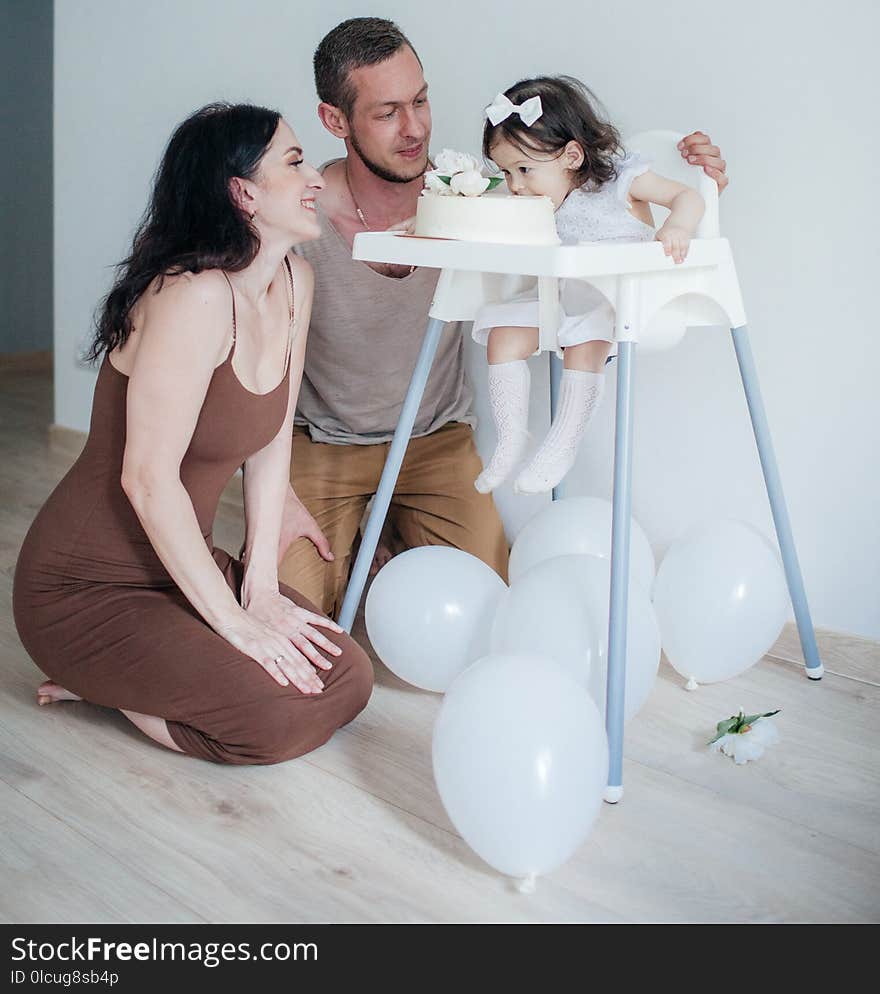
x: 99, y: 825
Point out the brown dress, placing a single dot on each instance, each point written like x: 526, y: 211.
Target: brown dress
x: 99, y: 613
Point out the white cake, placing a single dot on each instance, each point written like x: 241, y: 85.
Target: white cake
x: 490, y: 217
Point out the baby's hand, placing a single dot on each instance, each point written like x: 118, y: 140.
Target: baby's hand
x: 407, y: 227
x: 675, y: 241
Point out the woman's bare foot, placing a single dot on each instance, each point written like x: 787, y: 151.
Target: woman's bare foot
x: 50, y: 693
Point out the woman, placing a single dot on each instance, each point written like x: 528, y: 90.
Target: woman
x: 120, y: 596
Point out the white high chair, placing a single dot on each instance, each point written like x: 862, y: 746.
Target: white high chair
x: 655, y: 302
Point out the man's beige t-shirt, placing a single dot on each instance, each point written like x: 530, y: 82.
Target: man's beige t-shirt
x: 364, y: 338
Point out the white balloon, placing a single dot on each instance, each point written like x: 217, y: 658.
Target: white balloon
x: 429, y: 612
x: 559, y: 609
x: 544, y: 612
x: 520, y: 761
x: 721, y: 600
x: 578, y: 526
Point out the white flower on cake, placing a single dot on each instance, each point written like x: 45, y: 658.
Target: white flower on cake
x: 457, y: 174
x: 744, y: 737
x: 435, y: 185
x: 449, y: 162
x: 470, y: 184
x: 452, y: 206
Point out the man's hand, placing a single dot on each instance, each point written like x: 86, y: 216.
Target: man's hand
x: 698, y: 149
x: 296, y: 522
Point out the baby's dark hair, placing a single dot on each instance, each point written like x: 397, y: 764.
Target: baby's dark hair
x: 570, y: 113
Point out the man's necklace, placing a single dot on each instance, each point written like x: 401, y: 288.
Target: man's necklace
x: 360, y: 213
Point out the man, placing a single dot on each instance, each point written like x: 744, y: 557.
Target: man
x: 366, y: 329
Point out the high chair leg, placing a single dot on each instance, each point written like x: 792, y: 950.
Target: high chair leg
x: 390, y: 472
x: 556, y: 368
x: 618, y: 607
x: 748, y: 372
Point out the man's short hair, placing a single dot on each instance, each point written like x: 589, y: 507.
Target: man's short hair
x: 359, y: 41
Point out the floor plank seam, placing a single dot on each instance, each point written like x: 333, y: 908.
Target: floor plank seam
x: 636, y: 762
x: 92, y: 842
x: 764, y: 819
x: 379, y: 797
x: 774, y: 814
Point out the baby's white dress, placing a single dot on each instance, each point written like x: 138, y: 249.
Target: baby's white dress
x: 587, y: 214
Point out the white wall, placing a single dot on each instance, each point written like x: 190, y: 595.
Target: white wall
x: 786, y: 88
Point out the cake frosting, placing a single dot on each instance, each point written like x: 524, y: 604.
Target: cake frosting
x: 492, y: 217
x: 455, y: 204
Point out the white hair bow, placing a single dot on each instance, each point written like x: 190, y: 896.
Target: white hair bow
x: 501, y: 108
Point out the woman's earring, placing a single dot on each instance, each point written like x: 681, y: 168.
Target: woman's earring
x: 253, y: 215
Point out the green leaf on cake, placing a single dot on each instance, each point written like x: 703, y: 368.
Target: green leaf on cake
x: 493, y: 181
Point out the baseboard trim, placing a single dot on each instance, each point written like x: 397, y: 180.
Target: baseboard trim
x: 66, y: 441
x: 26, y: 362
x: 851, y: 656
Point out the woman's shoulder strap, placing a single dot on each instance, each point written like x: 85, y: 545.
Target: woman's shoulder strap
x: 290, y: 288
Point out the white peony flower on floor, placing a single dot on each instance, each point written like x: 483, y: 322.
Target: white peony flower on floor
x: 470, y: 184
x: 744, y: 737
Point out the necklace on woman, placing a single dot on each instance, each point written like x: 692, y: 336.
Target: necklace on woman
x: 359, y: 212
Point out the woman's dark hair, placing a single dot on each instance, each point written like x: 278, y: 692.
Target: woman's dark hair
x: 570, y: 113
x: 191, y: 222
x: 359, y: 41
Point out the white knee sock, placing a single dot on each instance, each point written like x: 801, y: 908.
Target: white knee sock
x: 509, y: 400
x: 579, y: 396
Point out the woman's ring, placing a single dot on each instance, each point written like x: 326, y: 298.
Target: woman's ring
x: 277, y: 659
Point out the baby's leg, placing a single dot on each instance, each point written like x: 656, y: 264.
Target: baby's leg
x: 511, y: 344
x: 587, y: 357
x: 508, y: 349
x: 583, y: 382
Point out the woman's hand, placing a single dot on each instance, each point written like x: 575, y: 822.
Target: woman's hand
x: 275, y: 653
x: 296, y: 522
x: 278, y: 648
x: 297, y: 625
x: 675, y: 241
x: 698, y: 149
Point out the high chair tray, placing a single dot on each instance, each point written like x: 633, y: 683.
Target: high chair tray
x: 572, y: 261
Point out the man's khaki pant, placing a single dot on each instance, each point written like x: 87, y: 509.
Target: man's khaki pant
x: 434, y: 503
